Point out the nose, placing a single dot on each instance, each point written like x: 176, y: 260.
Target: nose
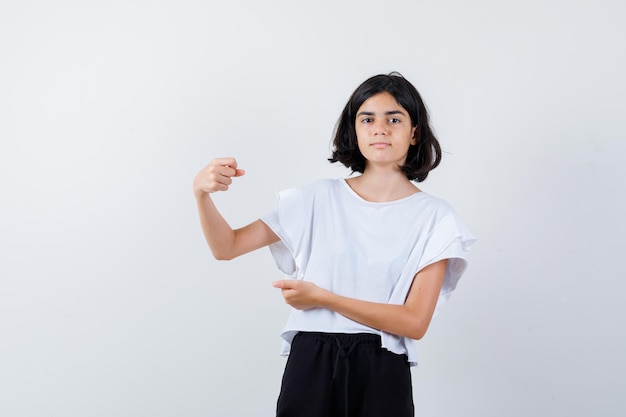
x: 380, y: 127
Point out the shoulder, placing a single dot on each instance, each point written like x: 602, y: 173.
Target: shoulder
x: 433, y: 207
x: 436, y: 202
x: 444, y: 222
x: 314, y: 191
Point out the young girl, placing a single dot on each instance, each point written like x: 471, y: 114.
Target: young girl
x: 368, y: 257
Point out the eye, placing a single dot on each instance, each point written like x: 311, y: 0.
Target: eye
x: 366, y: 120
x: 394, y: 120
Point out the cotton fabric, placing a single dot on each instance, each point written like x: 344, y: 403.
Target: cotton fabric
x: 371, y: 251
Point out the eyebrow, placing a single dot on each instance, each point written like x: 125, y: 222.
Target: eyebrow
x: 389, y: 113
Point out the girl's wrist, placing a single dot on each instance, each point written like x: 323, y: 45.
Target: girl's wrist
x: 326, y: 299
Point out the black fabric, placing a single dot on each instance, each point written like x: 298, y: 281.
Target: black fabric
x: 344, y: 375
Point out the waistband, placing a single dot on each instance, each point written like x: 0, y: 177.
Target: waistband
x: 344, y: 339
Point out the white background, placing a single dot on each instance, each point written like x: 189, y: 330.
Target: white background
x: 110, y: 303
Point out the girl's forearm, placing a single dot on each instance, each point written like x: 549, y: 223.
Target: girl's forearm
x: 391, y: 318
x: 217, y: 232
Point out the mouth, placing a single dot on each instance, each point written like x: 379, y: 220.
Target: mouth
x: 380, y: 144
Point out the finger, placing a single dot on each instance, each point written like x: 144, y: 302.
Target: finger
x: 284, y: 284
x: 223, y: 178
x: 228, y: 171
x: 223, y: 166
x: 230, y: 162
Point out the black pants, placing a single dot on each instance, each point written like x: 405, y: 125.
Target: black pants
x: 344, y: 375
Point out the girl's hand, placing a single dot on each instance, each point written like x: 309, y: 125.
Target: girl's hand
x: 301, y: 295
x: 216, y: 176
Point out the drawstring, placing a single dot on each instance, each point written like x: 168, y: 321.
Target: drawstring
x: 344, y: 354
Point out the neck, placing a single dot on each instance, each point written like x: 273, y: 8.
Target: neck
x: 380, y: 186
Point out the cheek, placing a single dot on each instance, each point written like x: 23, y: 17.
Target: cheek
x: 360, y: 136
x: 361, y: 146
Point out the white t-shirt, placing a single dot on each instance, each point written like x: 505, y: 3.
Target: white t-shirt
x: 371, y: 251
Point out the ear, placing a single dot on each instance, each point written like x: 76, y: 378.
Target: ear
x: 414, y: 135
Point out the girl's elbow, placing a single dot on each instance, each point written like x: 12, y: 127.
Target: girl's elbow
x: 419, y: 334
x: 223, y: 255
x: 416, y: 334
x: 418, y: 330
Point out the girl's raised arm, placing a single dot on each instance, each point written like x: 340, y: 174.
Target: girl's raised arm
x: 224, y: 242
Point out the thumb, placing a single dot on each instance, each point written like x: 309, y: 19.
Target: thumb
x: 282, y: 283
x: 239, y: 172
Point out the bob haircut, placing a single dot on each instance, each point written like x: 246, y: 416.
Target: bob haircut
x: 422, y: 157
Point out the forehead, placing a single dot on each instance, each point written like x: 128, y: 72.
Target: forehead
x: 382, y: 101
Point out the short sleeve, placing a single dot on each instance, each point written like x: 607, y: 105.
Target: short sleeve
x: 450, y: 240
x: 287, y: 222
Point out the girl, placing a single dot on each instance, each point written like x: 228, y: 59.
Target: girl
x: 369, y: 257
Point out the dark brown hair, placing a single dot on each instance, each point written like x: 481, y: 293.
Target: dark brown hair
x: 422, y: 157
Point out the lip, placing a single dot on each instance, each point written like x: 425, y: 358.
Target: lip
x: 380, y: 144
